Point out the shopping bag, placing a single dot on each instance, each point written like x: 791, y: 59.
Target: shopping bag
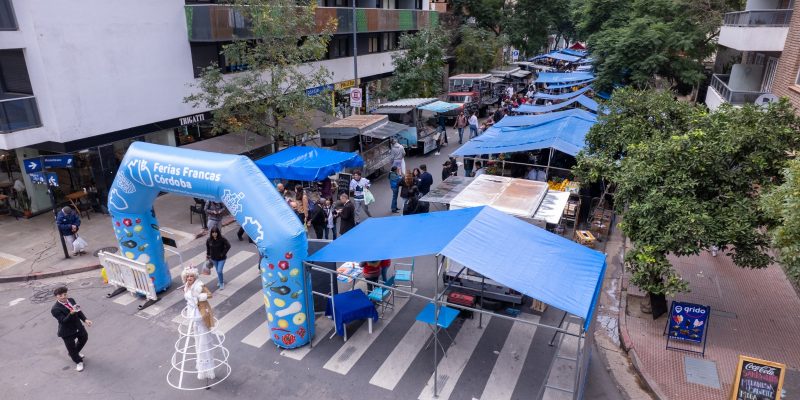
x: 205, y: 269
x: 368, y: 197
x: 79, y: 244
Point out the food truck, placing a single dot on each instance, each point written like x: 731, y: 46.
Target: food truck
x: 416, y: 134
x: 369, y: 135
x: 514, y: 76
x: 528, y: 200
x: 483, y: 90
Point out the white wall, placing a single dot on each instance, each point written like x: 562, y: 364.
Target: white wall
x: 99, y: 66
x: 746, y: 77
x: 713, y: 99
x: 753, y: 38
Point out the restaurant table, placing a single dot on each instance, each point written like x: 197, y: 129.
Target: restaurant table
x: 446, y: 317
x: 348, y: 307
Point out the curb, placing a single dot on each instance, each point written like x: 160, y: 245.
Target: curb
x: 627, y: 345
x: 33, y: 277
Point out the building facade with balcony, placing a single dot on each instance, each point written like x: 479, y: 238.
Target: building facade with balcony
x: 751, y: 43
x: 89, y: 78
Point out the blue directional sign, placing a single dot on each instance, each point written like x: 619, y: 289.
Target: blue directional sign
x: 59, y: 161
x: 32, y: 165
x: 38, y: 178
x: 52, y: 179
x: 515, y: 54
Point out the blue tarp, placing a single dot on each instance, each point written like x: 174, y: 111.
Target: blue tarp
x: 572, y: 52
x: 530, y: 120
x: 566, y: 85
x: 582, y: 100
x: 526, y: 258
x: 562, y: 96
x: 565, y: 131
x: 439, y: 107
x: 307, y: 163
x: 563, y: 77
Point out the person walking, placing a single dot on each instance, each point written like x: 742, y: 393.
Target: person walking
x: 443, y: 128
x: 68, y: 223
x: 398, y: 154
x: 330, y: 219
x: 217, y: 252
x: 346, y: 214
x: 461, y: 123
x: 473, y: 125
x: 358, y: 185
x: 394, y: 183
x: 70, y: 319
x: 425, y: 180
x: 317, y: 219
x: 214, y: 210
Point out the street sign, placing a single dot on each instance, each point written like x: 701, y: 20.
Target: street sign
x: 32, y: 165
x: 758, y: 379
x: 59, y: 161
x: 514, y: 55
x: 52, y: 179
x: 355, y: 97
x: 37, y: 178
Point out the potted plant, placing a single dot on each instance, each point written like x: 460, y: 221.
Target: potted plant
x: 24, y: 202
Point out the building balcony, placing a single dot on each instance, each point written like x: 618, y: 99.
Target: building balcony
x: 723, y: 90
x: 755, y: 30
x: 219, y: 23
x: 18, y: 113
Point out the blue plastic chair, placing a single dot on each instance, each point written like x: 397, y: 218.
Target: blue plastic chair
x: 405, y: 277
x: 384, y: 297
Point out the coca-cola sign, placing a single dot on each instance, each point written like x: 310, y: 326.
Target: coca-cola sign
x: 757, y: 379
x: 763, y: 369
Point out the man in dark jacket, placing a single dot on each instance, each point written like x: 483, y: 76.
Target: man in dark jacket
x: 346, y: 213
x: 68, y: 223
x: 316, y: 217
x: 70, y: 325
x: 425, y: 180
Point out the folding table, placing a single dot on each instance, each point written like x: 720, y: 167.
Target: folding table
x: 350, y: 306
x: 446, y: 317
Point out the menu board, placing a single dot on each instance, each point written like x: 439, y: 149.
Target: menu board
x: 343, y: 182
x: 757, y: 379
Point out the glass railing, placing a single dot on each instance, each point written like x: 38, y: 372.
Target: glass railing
x: 18, y: 113
x: 759, y: 18
x: 216, y: 22
x: 720, y: 84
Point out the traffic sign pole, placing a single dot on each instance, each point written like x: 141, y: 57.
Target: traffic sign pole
x: 55, y: 213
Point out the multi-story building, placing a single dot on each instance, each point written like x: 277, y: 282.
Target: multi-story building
x: 87, y: 78
x: 751, y: 53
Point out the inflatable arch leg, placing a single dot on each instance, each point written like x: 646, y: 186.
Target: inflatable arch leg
x: 236, y: 181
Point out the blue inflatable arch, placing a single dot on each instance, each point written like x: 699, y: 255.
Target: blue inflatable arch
x: 237, y: 182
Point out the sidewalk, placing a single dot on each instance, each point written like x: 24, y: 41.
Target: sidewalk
x: 753, y: 312
x: 31, y: 248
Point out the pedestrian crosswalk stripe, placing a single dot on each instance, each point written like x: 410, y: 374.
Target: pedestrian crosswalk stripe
x: 175, y: 296
x: 231, y: 287
x: 398, y: 362
x: 508, y: 366
x: 258, y: 336
x: 322, y: 326
x: 458, y: 354
x: 173, y: 272
x: 358, y: 343
x: 239, y: 313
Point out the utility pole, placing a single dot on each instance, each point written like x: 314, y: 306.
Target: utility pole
x: 355, y: 50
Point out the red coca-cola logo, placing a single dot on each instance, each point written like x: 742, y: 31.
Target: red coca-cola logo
x: 762, y: 369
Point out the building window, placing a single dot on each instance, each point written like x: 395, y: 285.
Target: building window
x: 797, y: 79
x: 374, y: 45
x: 339, y: 47
x: 7, y: 20
x: 390, y: 41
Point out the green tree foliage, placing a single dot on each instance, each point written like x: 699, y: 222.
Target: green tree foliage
x: 418, y: 71
x: 479, y: 50
x: 488, y: 14
x: 782, y: 204
x: 686, y: 179
x: 637, y: 41
x: 283, y: 36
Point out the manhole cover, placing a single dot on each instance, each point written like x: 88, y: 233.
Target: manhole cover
x: 701, y: 372
x: 107, y: 250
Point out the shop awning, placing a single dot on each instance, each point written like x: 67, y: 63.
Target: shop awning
x: 307, y: 163
x: 563, y: 77
x: 526, y: 258
x: 440, y: 107
x: 392, y: 110
x: 582, y: 100
x: 386, y: 130
x: 565, y: 133
x: 562, y: 96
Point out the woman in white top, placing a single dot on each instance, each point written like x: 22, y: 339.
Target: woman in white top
x: 193, y: 293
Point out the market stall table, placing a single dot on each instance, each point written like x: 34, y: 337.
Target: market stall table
x: 348, y: 307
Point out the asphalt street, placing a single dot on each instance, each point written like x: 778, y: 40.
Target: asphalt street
x: 129, y: 351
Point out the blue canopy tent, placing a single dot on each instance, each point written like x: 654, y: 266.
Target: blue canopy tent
x: 555, y: 55
x: 562, y: 96
x: 307, y: 163
x: 573, y: 52
x: 439, y: 107
x: 531, y: 120
x: 582, y: 100
x: 569, y: 84
x: 563, y: 77
x: 526, y: 258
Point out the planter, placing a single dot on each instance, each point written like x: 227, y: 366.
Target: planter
x: 27, y: 214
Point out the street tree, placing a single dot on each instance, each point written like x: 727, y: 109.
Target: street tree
x: 281, y: 38
x: 782, y: 205
x: 419, y: 68
x: 687, y: 179
x: 478, y: 50
x: 487, y: 14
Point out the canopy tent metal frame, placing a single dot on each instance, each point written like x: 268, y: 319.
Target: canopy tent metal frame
x: 547, y: 167
x: 582, y: 355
